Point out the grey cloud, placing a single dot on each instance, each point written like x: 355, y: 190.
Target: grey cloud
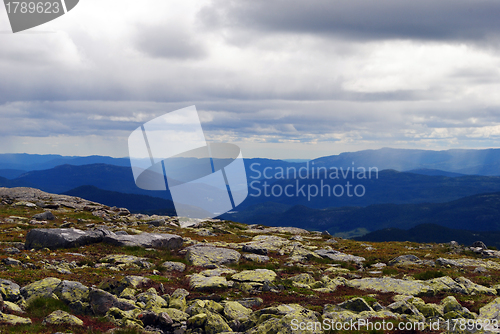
x: 168, y: 41
x: 361, y: 19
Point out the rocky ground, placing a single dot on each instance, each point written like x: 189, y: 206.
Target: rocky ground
x: 70, y: 265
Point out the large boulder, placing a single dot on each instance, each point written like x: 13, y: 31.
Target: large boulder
x: 10, y: 319
x: 62, y: 318
x: 41, y: 289
x: 215, y: 324
x: 257, y: 275
x: 75, y: 294
x: 54, y: 238
x: 209, y: 257
x: 201, y: 282
x: 146, y: 240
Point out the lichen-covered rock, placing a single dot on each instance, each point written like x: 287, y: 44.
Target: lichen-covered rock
x: 202, y: 306
x: 301, y: 254
x: 11, y: 319
x: 215, y: 324
x: 210, y: 257
x: 131, y: 318
x: 217, y: 272
x: 152, y: 301
x: 178, y: 299
x: 405, y: 260
x: 473, y: 288
x: 356, y: 305
x: 465, y: 262
x: 256, y: 258
x: 10, y: 307
x: 101, y: 301
x: 286, y: 319
x: 257, y: 275
x: 450, y: 303
x: 177, y: 315
x: 236, y: 311
x: 305, y: 279
x: 201, y: 282
x: 262, y: 244
x: 75, y: 294
x: 126, y: 260
x: 9, y: 290
x: 62, y: 318
x: 42, y: 288
x: 388, y: 284
x: 197, y: 321
x: 338, y: 256
x: 174, y: 266
x: 491, y: 310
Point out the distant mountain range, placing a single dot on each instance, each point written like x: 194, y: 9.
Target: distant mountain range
x: 436, y: 188
x: 478, y: 213
x: 433, y: 233
x: 462, y: 161
x: 135, y: 203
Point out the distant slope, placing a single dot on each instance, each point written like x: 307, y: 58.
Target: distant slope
x: 29, y: 162
x: 480, y: 162
x: 135, y: 203
x: 107, y: 177
x: 478, y: 213
x: 433, y: 233
x: 434, y: 172
x: 11, y: 173
x: 390, y: 187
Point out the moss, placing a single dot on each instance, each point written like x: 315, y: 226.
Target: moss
x: 42, y: 307
x: 429, y: 274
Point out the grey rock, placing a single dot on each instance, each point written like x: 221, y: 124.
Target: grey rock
x: 11, y: 262
x: 47, y: 215
x: 479, y: 244
x: 251, y: 302
x: 256, y: 258
x: 9, y: 290
x: 157, y: 222
x: 339, y: 256
x: 256, y: 249
x: 174, y: 266
x: 146, y: 240
x: 12, y: 250
x: 356, y: 304
x: 404, y: 260
x: 209, y: 257
x: 101, y: 301
x: 54, y: 238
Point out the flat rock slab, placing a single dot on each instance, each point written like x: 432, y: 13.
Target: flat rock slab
x: 257, y: 275
x: 54, y: 238
x: 339, y: 256
x: 146, y: 240
x: 210, y: 257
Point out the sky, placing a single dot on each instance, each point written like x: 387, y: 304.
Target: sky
x: 283, y: 79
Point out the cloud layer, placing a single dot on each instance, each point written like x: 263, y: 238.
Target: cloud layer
x: 283, y: 79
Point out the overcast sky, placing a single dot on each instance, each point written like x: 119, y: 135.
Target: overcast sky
x: 280, y: 78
